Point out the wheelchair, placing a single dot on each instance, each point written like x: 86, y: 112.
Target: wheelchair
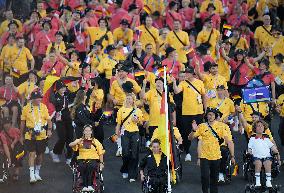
x: 98, y: 182
x: 249, y: 175
x: 227, y: 164
x: 147, y: 187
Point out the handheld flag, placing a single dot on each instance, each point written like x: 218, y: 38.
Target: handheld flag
x: 113, y: 138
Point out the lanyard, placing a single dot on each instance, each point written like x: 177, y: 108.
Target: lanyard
x: 18, y: 55
x: 75, y: 31
x: 5, y: 91
x: 173, y: 66
x: 46, y: 36
x: 33, y: 113
x: 219, y: 104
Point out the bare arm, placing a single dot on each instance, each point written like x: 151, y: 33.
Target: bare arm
x: 259, y: 57
x: 175, y: 87
x: 224, y: 54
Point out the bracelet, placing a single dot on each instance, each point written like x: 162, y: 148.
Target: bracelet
x: 102, y: 163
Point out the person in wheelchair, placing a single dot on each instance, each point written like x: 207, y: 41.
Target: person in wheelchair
x: 260, y: 147
x: 90, y: 156
x: 155, y: 163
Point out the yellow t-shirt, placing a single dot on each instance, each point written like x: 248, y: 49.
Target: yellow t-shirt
x: 97, y: 97
x: 61, y: 47
x: 106, y: 66
x: 4, y: 26
x: 154, y: 100
x: 242, y: 44
x: 261, y: 36
x: 162, y: 49
x: 96, y: 59
x: 33, y: 115
x: 210, y: 148
x: 147, y: 38
x: 128, y: 124
x: 175, y: 43
x: 280, y: 102
x: 95, y: 151
x: 117, y: 92
x: 4, y: 53
x: 260, y: 8
x: 218, y: 5
x: 211, y: 82
x: 26, y: 88
x: 192, y: 101
x: 19, y: 60
x: 96, y: 33
x: 125, y: 36
x: 224, y: 68
x: 155, y: 5
x: 72, y: 71
x: 247, y: 110
x: 276, y: 45
x: 225, y: 106
x: 203, y: 37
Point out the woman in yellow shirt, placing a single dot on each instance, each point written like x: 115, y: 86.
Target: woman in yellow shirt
x: 90, y: 157
x: 25, y: 89
x: 128, y: 119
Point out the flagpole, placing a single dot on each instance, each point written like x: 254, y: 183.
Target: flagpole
x: 167, y: 129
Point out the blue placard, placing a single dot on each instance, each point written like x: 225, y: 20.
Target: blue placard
x: 256, y: 94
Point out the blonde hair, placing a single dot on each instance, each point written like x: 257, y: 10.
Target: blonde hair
x: 133, y: 97
x: 79, y: 99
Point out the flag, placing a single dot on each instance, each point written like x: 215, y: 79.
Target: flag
x: 107, y: 113
x: 158, y: 71
x: 139, y: 73
x: 236, y: 170
x: 227, y: 33
x: 226, y: 26
x: 165, y: 131
x: 147, y: 9
x: 138, y: 34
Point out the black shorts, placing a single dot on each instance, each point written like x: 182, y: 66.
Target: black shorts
x: 37, y: 146
x: 12, y: 104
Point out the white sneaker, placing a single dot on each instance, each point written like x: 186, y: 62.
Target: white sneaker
x: 85, y: 189
x: 1, y: 180
x: 46, y: 150
x: 221, y: 177
x: 91, y: 189
x: 55, y: 157
x: 187, y: 158
x: 148, y: 143
x: 124, y: 175
x: 268, y: 184
x: 37, y: 177
x: 257, y: 183
x: 132, y: 180
x: 32, y: 179
x: 119, y: 152
x: 68, y: 161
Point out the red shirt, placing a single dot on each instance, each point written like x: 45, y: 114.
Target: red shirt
x: 216, y: 20
x: 31, y: 31
x: 158, y: 23
x: 126, y: 3
x: 91, y: 21
x: 268, y: 78
x: 173, y: 67
x: 73, y: 3
x: 148, y: 63
x: 5, y: 35
x: 202, y: 61
x: 13, y: 133
x: 57, y: 66
x: 235, y: 20
x: 244, y: 72
x: 43, y: 39
x: 170, y: 17
x: 81, y: 38
x: 53, y: 3
x: 116, y: 18
x: 9, y: 94
x: 187, y: 15
x: 132, y: 18
x: 55, y: 23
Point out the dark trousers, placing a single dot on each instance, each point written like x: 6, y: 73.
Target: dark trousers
x: 65, y: 132
x: 87, y: 168
x: 209, y: 175
x: 98, y: 130
x: 225, y: 154
x: 79, y: 131
x: 281, y: 130
x: 158, y: 184
x: 187, y: 127
x: 130, y: 152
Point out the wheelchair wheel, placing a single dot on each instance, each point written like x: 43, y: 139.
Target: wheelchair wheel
x: 99, y: 183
